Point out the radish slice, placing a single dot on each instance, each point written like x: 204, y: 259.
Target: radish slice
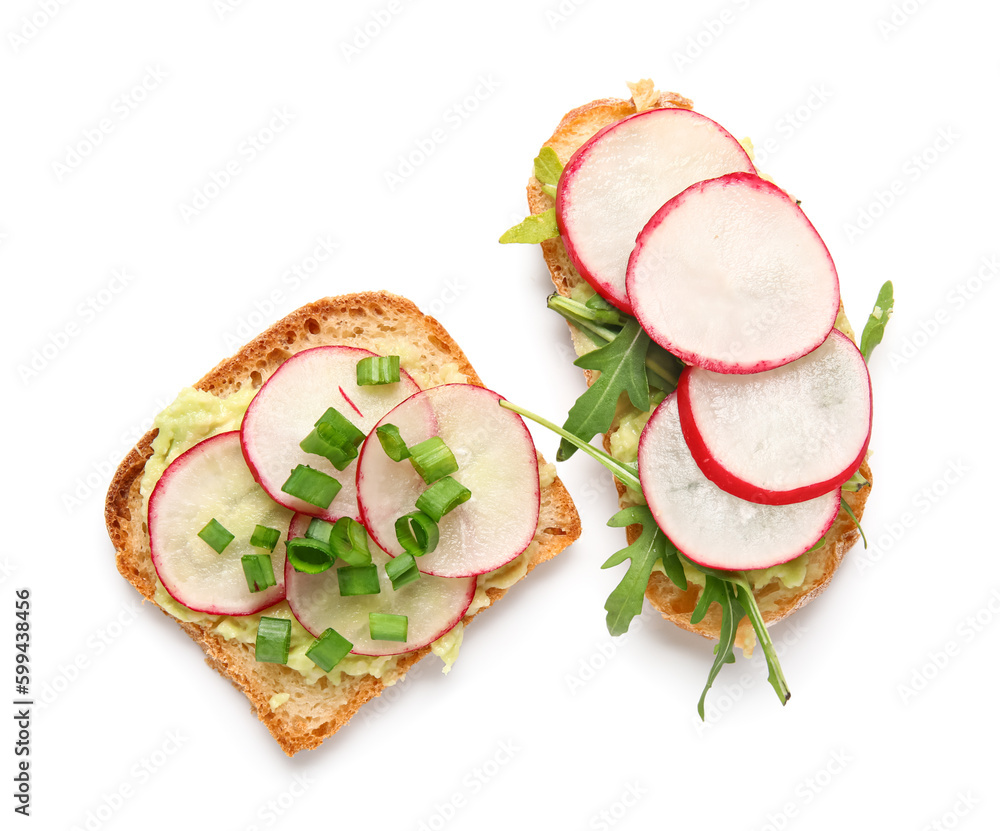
x: 619, y: 178
x: 710, y: 526
x: 784, y: 435
x: 497, y: 462
x: 211, y: 481
x: 731, y: 276
x: 287, y: 406
x: 433, y: 605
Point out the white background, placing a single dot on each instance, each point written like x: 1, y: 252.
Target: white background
x: 882, y: 119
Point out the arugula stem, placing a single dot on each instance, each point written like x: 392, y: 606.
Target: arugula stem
x: 775, y: 674
x: 628, y: 476
x: 585, y: 318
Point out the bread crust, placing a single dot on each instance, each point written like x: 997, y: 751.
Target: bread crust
x: 775, y: 600
x: 369, y: 320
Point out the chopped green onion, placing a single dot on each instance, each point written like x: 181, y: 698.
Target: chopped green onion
x: 274, y: 634
x: 349, y: 541
x: 309, y: 556
x: 335, y: 438
x: 378, y: 370
x: 441, y: 497
x: 216, y: 535
x: 383, y: 627
x: 264, y: 537
x: 259, y: 571
x: 417, y: 533
x: 392, y: 443
x: 355, y: 580
x: 433, y: 459
x: 312, y: 486
x: 402, y: 570
x: 328, y: 650
x: 319, y: 530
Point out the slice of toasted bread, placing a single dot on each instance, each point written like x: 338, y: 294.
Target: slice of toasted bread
x: 385, y: 324
x: 776, y: 601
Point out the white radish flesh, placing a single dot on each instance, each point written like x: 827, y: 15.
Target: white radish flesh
x: 710, y: 526
x: 287, y: 407
x: 432, y: 605
x: 211, y: 481
x: 731, y: 276
x: 784, y: 435
x: 619, y: 178
x: 497, y: 463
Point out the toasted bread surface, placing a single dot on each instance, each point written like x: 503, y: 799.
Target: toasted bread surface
x: 776, y: 601
x: 385, y: 324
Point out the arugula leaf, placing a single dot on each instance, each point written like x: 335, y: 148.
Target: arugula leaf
x: 871, y: 336
x: 548, y: 169
x: 850, y: 513
x: 534, y: 228
x: 718, y: 591
x: 622, y: 364
x: 775, y: 677
x: 625, y: 601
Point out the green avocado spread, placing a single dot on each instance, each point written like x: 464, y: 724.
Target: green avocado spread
x: 195, y: 415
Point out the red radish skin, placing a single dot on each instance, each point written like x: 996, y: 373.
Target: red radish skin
x: 497, y: 463
x: 616, y: 181
x: 832, y: 450
x: 730, y: 275
x: 712, y: 527
x: 287, y: 406
x: 211, y: 480
x: 433, y: 605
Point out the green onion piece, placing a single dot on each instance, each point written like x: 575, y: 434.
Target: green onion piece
x: 259, y: 571
x: 383, y: 627
x: 274, y: 634
x: 355, y: 580
x: 432, y: 459
x: 309, y: 556
x: 264, y: 537
x: 378, y: 370
x: 319, y: 530
x: 402, y: 570
x: 312, y: 486
x: 349, y: 541
x: 392, y: 443
x: 417, y: 533
x: 335, y: 438
x: 215, y: 534
x: 328, y: 650
x: 441, y: 497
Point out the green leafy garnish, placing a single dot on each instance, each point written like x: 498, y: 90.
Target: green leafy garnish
x: 625, y: 601
x: 721, y: 592
x: 854, y: 519
x: 871, y: 336
x: 622, y: 364
x: 543, y: 226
